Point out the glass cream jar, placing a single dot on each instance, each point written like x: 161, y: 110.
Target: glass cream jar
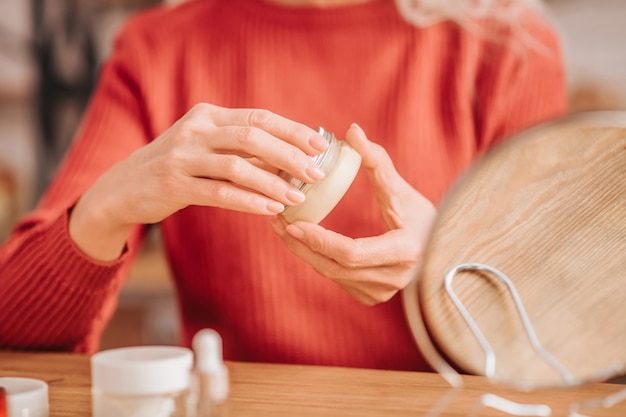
x: 340, y: 163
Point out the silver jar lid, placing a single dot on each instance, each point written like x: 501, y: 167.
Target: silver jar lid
x: 325, y: 160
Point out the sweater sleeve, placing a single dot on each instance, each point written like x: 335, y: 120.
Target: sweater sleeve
x: 52, y: 296
x: 522, y: 81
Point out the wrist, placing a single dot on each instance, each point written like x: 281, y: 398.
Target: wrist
x: 95, y: 232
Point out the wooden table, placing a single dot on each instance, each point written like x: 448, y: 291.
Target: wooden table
x: 289, y: 390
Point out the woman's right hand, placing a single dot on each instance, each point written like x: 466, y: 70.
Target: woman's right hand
x: 212, y: 156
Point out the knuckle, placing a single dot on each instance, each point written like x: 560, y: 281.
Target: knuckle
x: 415, y: 250
x: 174, y: 159
x: 221, y: 192
x: 397, y: 284
x: 259, y: 117
x: 296, y: 131
x: 316, y: 243
x: 293, y: 155
x: 409, y: 255
x: 331, y: 271
x: 366, y: 300
x: 383, y: 296
x: 232, y: 167
x: 350, y: 257
x: 379, y: 149
x: 325, y: 272
x: 397, y: 281
x: 407, y: 278
x: 186, y: 131
x: 245, y: 135
x: 358, y: 294
x: 335, y: 272
x: 201, y: 109
x: 380, y: 152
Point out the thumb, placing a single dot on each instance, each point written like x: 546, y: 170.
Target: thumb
x: 375, y: 159
x: 355, y: 136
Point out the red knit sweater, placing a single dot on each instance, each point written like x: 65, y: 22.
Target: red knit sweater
x: 434, y: 97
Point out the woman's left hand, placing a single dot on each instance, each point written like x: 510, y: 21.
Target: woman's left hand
x: 371, y: 269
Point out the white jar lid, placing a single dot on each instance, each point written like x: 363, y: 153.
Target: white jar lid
x: 25, y: 397
x: 143, y: 370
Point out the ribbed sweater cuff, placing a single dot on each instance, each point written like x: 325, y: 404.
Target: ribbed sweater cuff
x: 53, y: 294
x: 72, y: 262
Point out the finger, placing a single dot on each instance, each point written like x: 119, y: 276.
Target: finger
x: 377, y: 163
x: 319, y: 262
x: 262, y: 165
x: 362, y: 296
x: 390, y: 248
x: 213, y: 193
x: 356, y: 137
x: 369, y: 285
x: 400, y: 203
x: 243, y: 173
x: 297, y: 134
x: 244, y: 140
x: 369, y: 293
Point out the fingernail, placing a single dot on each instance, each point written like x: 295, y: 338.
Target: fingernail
x: 314, y: 172
x: 275, y: 207
x: 359, y: 129
x: 295, y: 196
x: 295, y: 231
x: 319, y: 143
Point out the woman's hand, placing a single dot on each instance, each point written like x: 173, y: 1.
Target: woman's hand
x: 212, y: 156
x: 375, y: 268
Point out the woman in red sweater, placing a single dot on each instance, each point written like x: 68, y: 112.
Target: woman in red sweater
x: 434, y: 85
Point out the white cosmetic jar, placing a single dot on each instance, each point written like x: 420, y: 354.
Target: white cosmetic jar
x: 340, y: 163
x: 25, y: 397
x: 144, y: 381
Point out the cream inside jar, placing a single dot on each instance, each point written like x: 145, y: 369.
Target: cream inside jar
x: 340, y: 163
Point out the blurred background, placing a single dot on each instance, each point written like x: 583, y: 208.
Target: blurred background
x: 50, y: 52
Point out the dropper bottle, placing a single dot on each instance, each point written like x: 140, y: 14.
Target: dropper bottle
x: 211, y: 374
